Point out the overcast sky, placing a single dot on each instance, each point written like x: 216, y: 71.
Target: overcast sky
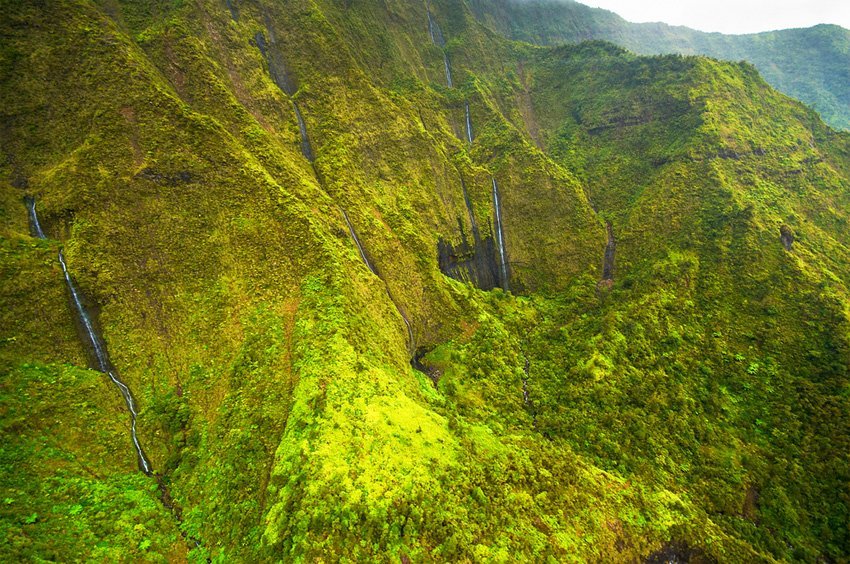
x: 731, y: 16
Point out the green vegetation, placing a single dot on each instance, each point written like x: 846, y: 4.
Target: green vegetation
x: 811, y: 64
x: 701, y: 397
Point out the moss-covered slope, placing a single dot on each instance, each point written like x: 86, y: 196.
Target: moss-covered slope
x: 696, y: 399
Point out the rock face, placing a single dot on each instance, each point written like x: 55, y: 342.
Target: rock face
x: 786, y: 235
x: 675, y: 552
x: 475, y: 263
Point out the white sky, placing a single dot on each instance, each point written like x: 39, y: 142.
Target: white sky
x: 731, y: 16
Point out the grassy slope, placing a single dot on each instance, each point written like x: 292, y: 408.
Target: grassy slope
x: 271, y: 365
x: 809, y: 64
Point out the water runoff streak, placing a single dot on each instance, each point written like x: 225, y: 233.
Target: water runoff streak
x: 448, y: 70
x: 410, y: 341
x: 357, y: 242
x: 306, y: 148
x: 500, y: 237
x: 468, y: 124
x: 96, y: 343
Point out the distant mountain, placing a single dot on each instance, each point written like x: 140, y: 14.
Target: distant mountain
x: 811, y: 64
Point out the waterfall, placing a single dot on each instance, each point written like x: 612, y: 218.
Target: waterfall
x: 411, y: 344
x: 448, y: 70
x: 35, y: 226
x: 306, y: 148
x: 468, y: 124
x: 437, y: 39
x: 500, y: 238
x: 410, y: 341
x: 435, y: 32
x: 357, y: 242
x: 97, y: 344
x: 103, y: 363
x: 281, y: 77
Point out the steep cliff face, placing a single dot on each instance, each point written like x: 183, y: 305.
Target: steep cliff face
x: 270, y: 205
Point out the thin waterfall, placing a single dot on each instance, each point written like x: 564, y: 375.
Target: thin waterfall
x: 410, y: 341
x: 357, y: 242
x: 500, y: 238
x: 35, y: 226
x: 306, y: 148
x: 439, y: 40
x: 468, y: 124
x: 94, y: 340
x: 411, y: 344
x: 434, y: 31
x: 103, y: 363
x: 448, y: 70
x: 281, y: 77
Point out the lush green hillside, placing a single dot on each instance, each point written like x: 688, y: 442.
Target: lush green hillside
x: 689, y: 399
x: 812, y: 64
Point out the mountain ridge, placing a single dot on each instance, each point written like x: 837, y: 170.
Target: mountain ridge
x: 809, y: 64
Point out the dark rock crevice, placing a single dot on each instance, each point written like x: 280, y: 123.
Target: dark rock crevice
x: 433, y: 373
x: 610, y: 250
x: 481, y: 262
x: 472, y: 263
x: 234, y: 11
x: 786, y: 235
x: 281, y: 76
x: 679, y: 552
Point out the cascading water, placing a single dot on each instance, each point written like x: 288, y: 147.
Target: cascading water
x: 104, y: 365
x: 469, y: 136
x: 306, y: 148
x: 434, y: 31
x: 95, y: 342
x: 437, y: 39
x: 411, y: 344
x: 500, y: 238
x: 35, y: 226
x: 357, y: 242
x: 448, y: 70
x: 282, y: 78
